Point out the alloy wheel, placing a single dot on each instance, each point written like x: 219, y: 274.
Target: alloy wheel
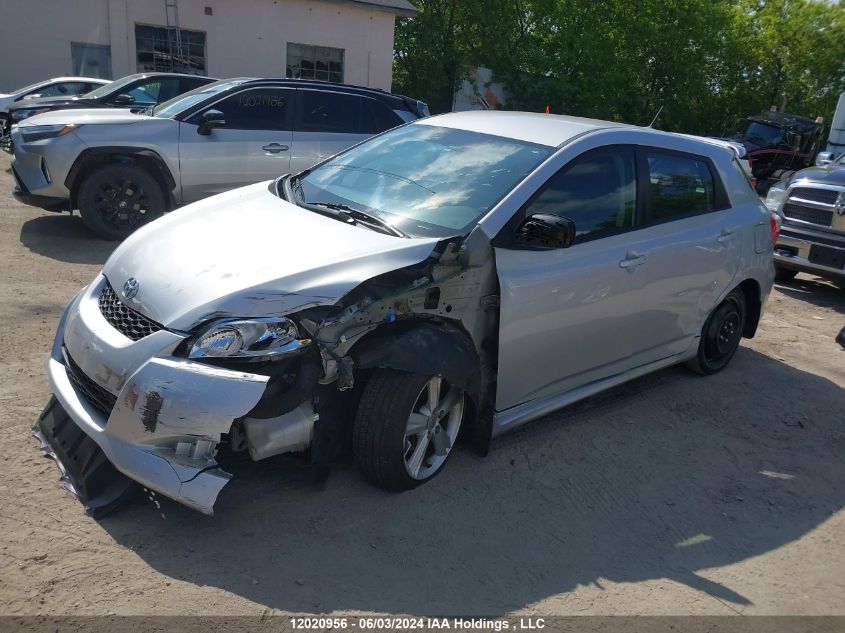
x: 432, y: 428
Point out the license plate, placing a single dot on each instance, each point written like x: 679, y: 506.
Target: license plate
x: 827, y: 256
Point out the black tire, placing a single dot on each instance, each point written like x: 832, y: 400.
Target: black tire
x: 785, y: 274
x: 116, y: 200
x: 379, y: 431
x: 720, y: 335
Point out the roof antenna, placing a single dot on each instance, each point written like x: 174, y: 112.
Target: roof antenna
x: 655, y: 117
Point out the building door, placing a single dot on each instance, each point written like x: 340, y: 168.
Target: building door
x: 91, y: 60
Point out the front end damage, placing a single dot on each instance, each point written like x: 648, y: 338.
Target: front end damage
x: 159, y: 417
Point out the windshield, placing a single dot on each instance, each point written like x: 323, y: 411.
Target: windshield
x: 29, y: 87
x: 180, y: 103
x: 104, y: 91
x: 428, y: 181
x: 763, y: 134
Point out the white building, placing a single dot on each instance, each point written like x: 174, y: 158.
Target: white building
x: 337, y: 40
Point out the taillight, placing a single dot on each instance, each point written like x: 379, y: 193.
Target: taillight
x: 774, y: 227
x: 753, y: 182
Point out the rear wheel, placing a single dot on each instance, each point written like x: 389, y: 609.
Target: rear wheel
x: 785, y: 274
x: 720, y: 335
x: 115, y: 200
x: 405, y: 428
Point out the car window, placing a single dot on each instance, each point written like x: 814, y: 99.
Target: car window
x: 258, y: 109
x: 377, y: 117
x: 331, y: 112
x: 597, y: 191
x: 189, y: 83
x: 154, y: 91
x: 679, y: 186
x: 428, y: 180
x: 64, y: 89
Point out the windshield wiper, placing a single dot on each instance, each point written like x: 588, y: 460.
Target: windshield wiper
x: 360, y: 216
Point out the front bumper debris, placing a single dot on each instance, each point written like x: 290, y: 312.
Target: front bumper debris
x: 86, y: 471
x: 165, y: 416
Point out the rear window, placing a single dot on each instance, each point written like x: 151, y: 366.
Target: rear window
x: 332, y: 112
x: 679, y: 186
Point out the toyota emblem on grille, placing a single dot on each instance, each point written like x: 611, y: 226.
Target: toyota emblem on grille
x: 130, y: 288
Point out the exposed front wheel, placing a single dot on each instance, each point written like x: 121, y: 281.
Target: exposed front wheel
x: 405, y: 428
x: 116, y: 200
x: 720, y: 335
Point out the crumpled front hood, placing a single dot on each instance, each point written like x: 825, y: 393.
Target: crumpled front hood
x: 248, y: 253
x: 84, y: 117
x: 828, y: 174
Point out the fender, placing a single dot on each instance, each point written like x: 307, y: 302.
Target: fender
x: 98, y: 154
x: 424, y: 347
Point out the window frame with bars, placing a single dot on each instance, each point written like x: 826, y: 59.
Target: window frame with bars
x: 325, y: 55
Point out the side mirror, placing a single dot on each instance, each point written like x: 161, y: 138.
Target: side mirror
x: 209, y: 120
x: 37, y: 95
x: 824, y: 158
x: 123, y: 100
x: 544, y: 230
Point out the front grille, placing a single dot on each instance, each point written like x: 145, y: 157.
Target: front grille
x: 100, y: 399
x: 123, y: 318
x: 794, y: 211
x: 825, y: 196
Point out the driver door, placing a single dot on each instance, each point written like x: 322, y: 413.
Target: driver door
x: 571, y: 316
x: 252, y: 146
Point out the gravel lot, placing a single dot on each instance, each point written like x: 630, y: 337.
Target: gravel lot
x: 674, y: 494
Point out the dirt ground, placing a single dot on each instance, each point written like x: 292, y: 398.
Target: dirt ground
x: 673, y: 494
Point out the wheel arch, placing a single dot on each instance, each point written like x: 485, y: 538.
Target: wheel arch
x: 423, y: 346
x: 96, y: 157
x: 754, y: 305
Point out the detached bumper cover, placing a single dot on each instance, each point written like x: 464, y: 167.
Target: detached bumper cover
x: 169, y: 412
x: 86, y: 471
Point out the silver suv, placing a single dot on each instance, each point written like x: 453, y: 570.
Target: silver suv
x: 465, y: 273
x: 122, y: 170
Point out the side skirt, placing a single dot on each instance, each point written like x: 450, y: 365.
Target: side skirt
x: 520, y: 414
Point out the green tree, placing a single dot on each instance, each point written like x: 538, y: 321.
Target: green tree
x: 707, y: 63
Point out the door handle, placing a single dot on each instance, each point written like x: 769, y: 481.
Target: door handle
x: 275, y: 148
x: 724, y: 236
x: 632, y: 260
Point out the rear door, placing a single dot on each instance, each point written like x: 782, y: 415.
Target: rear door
x: 692, y: 238
x: 570, y: 316
x: 327, y: 122
x: 254, y: 145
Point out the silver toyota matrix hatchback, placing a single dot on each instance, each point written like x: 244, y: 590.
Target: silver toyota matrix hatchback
x: 454, y: 277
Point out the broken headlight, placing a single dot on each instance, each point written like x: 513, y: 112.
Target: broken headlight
x: 248, y: 339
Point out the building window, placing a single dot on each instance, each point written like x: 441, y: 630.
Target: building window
x: 315, y: 62
x: 90, y: 60
x: 159, y: 49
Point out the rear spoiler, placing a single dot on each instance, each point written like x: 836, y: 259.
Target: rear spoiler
x: 738, y: 148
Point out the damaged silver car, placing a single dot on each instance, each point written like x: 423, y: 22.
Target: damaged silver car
x: 457, y: 276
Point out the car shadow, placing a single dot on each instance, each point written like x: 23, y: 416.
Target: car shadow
x: 665, y: 477
x: 816, y: 290
x: 66, y: 239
